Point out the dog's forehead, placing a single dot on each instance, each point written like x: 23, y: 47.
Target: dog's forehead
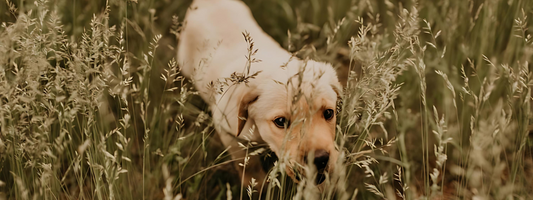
x: 311, y: 83
x: 294, y: 86
x: 279, y: 98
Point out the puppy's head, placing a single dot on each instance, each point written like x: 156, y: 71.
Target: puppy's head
x: 295, y: 115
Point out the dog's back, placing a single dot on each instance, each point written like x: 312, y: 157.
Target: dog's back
x: 212, y: 44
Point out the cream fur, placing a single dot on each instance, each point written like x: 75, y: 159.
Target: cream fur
x: 212, y: 47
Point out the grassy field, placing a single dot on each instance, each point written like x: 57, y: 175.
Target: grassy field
x: 437, y: 100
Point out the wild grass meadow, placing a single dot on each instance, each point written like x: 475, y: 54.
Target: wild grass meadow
x: 436, y: 104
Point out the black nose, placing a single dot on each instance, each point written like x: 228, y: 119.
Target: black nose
x: 321, y: 160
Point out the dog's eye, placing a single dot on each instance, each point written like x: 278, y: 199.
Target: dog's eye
x: 280, y: 122
x: 328, y: 114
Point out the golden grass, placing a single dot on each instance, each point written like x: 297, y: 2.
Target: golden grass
x: 437, y: 100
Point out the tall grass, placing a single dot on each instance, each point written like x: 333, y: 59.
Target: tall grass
x: 436, y: 105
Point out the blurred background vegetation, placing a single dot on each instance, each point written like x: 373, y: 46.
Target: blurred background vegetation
x: 92, y: 105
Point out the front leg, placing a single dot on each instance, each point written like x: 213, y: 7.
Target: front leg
x: 252, y: 169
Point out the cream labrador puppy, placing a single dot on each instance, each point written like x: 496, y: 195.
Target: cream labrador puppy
x: 255, y: 87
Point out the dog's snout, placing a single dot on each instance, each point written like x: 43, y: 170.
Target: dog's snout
x: 321, y: 159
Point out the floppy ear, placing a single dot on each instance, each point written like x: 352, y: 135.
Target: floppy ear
x: 338, y: 89
x: 247, y: 99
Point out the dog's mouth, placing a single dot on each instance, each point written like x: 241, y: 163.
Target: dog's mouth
x: 297, y: 174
